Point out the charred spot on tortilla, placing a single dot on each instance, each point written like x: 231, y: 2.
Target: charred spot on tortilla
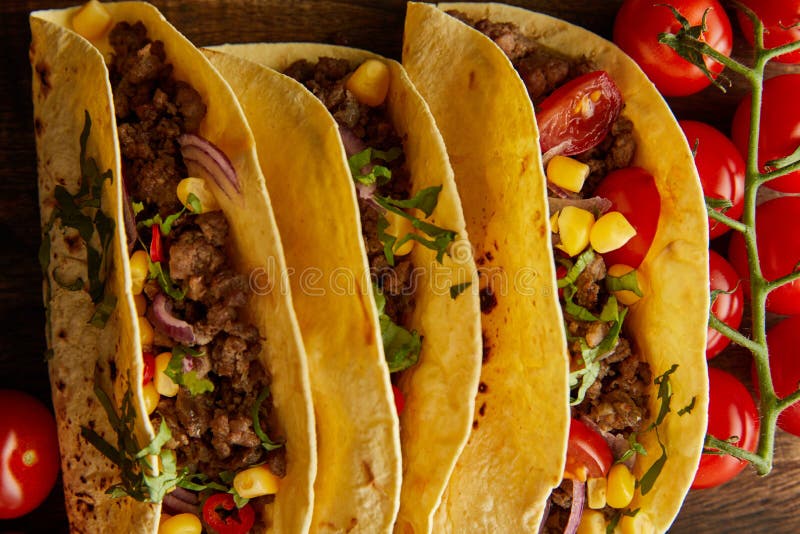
x: 489, y: 256
x: 471, y: 83
x: 62, y: 334
x: 482, y: 409
x: 488, y: 299
x: 43, y: 73
x: 487, y: 349
x: 482, y: 387
x: 38, y: 127
x: 368, y: 474
x: 475, y: 424
x: 60, y: 385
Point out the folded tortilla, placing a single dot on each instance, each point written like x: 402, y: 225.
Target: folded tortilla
x: 71, y: 81
x: 488, y: 122
x: 319, y: 221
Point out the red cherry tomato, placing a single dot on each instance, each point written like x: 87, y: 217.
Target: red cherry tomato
x: 632, y: 191
x: 778, y: 237
x: 731, y: 412
x: 721, y: 170
x: 578, y: 115
x: 778, y: 17
x: 779, y: 134
x: 727, y: 307
x: 399, y: 400
x: 587, y: 449
x: 221, y: 514
x: 29, y: 458
x: 149, y: 368
x: 784, y: 366
x: 156, y: 253
x: 636, y: 30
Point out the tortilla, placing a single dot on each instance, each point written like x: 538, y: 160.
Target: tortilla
x: 70, y: 76
x: 488, y: 123
x: 320, y: 224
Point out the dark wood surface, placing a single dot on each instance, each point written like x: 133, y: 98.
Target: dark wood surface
x: 747, y: 504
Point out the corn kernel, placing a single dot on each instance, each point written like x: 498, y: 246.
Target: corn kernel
x: 621, y: 484
x: 637, y: 524
x: 574, y: 226
x: 199, y: 188
x: 151, y: 397
x: 610, y: 232
x: 139, y: 270
x: 370, y: 82
x: 398, y: 227
x: 145, y: 333
x: 255, y: 482
x: 596, y: 493
x: 164, y: 384
x: 141, y: 304
x: 624, y: 296
x: 92, y: 20
x: 592, y: 522
x: 567, y: 173
x: 181, y: 524
x: 554, y: 222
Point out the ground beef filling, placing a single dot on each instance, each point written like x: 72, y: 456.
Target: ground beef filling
x: 326, y: 79
x: 211, y: 432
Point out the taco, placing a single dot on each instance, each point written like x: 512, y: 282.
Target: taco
x: 149, y: 181
x: 490, y: 73
x: 378, y: 200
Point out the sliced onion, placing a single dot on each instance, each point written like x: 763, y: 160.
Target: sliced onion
x: 352, y: 144
x: 204, y: 159
x: 365, y: 191
x: 163, y: 320
x: 597, y: 205
x: 185, y: 495
x: 175, y: 503
x: 616, y: 442
x: 128, y: 217
x: 576, y: 509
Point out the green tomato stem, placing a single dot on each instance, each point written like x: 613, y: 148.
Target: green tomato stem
x: 789, y: 278
x: 724, y: 219
x: 733, y: 335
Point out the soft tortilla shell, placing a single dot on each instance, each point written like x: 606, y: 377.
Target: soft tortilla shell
x: 80, y: 77
x: 440, y: 389
x: 669, y: 324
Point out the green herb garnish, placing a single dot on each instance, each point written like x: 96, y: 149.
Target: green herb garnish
x: 161, y: 276
x: 189, y: 379
x: 266, y: 442
x: 377, y: 174
x: 457, y: 289
x: 400, y: 346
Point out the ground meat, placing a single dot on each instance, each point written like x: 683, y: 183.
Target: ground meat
x: 616, y: 151
x: 587, y: 285
x: 193, y: 255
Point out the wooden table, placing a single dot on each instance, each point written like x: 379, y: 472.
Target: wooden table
x: 747, y: 504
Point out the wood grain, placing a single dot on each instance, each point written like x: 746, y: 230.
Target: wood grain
x: 747, y: 504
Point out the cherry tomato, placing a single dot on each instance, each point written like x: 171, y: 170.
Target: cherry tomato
x: 221, y: 514
x: 578, y: 115
x: 149, y: 368
x: 784, y: 367
x: 778, y: 17
x: 721, y: 170
x: 731, y: 413
x: 632, y: 191
x: 399, y: 400
x: 727, y: 307
x: 636, y: 30
x: 778, y: 237
x: 156, y: 253
x: 587, y: 449
x: 779, y: 134
x: 29, y: 458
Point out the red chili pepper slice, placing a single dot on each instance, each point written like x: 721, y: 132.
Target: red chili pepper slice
x: 149, y: 369
x: 221, y: 514
x: 155, y: 245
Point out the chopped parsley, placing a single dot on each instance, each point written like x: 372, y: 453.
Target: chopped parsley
x: 375, y: 174
x: 188, y: 379
x: 266, y: 442
x: 400, y: 346
x: 457, y: 289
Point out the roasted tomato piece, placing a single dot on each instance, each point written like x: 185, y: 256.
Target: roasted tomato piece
x: 578, y: 115
x: 587, y: 452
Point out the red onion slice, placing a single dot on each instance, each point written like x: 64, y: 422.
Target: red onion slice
x: 185, y: 495
x: 131, y: 234
x: 365, y: 191
x: 576, y: 509
x: 163, y: 320
x: 352, y: 144
x: 174, y: 505
x: 204, y: 159
x: 597, y: 205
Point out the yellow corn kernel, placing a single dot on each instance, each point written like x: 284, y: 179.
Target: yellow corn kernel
x: 592, y: 522
x: 624, y: 296
x: 398, y: 227
x: 370, y: 82
x: 621, y: 484
x: 554, y: 222
x: 255, y: 482
x: 139, y: 270
x: 574, y: 226
x: 164, y: 384
x: 567, y: 173
x: 610, y: 232
x: 145, y: 333
x: 141, y: 304
x: 151, y: 398
x: 92, y: 20
x: 181, y: 524
x: 199, y: 188
x: 596, y: 493
x: 637, y: 524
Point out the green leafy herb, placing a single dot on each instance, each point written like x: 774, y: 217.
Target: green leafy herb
x: 400, y: 346
x: 577, y: 268
x: 457, y: 289
x: 634, y: 447
x: 188, y: 379
x: 161, y: 276
x: 137, y: 207
x: 588, y: 374
x: 627, y: 282
x: 688, y: 408
x: 238, y: 499
x: 649, y: 478
x: 619, y: 514
x: 664, y: 394
x: 103, y: 311
x: 266, y: 442
x: 377, y: 174
x: 195, y: 206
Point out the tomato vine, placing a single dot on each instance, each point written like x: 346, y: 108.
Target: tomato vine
x: 770, y: 405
